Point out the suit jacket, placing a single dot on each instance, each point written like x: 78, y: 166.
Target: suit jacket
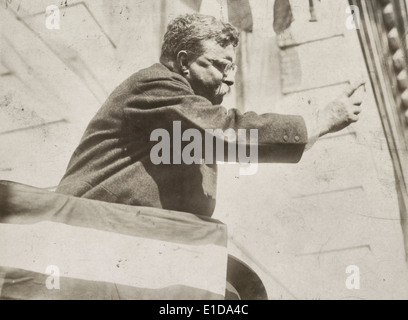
x: 112, y: 162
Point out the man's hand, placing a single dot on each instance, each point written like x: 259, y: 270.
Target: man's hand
x: 341, y: 112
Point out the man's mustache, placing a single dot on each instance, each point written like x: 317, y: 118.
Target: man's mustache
x: 224, y: 89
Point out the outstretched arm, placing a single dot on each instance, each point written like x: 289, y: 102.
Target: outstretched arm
x: 337, y: 115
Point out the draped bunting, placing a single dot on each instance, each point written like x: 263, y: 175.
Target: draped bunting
x: 283, y: 16
x: 240, y: 14
x: 105, y: 251
x: 193, y: 4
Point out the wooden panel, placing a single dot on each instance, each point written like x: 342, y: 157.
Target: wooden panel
x: 46, y: 74
x: 4, y: 71
x: 76, y: 44
x: 319, y: 65
x: 326, y: 276
x: 267, y: 212
x: 18, y: 108
x: 330, y: 21
x: 39, y: 156
x: 321, y: 274
x: 348, y: 169
x: 328, y: 221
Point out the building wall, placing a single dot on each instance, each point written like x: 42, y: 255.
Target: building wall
x: 53, y: 81
x: 299, y: 226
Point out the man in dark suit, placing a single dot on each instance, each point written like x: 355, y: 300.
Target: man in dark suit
x: 113, y: 163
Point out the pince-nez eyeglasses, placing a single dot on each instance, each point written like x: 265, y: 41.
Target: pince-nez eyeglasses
x: 230, y: 67
x: 225, y: 69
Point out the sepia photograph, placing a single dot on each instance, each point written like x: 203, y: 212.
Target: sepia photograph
x: 204, y: 150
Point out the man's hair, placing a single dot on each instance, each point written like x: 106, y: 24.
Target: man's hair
x: 187, y: 32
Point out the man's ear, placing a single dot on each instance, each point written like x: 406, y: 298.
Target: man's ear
x: 182, y: 62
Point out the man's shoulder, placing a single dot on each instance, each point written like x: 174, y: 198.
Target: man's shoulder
x: 157, y: 73
x: 154, y: 82
x: 156, y: 70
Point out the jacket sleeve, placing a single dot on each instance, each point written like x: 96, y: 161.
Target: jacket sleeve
x: 157, y: 104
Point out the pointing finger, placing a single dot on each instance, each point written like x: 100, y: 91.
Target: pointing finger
x: 358, y: 110
x: 354, y: 118
x: 354, y: 87
x: 357, y: 101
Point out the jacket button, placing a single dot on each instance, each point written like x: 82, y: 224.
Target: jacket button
x: 286, y: 138
x: 297, y: 139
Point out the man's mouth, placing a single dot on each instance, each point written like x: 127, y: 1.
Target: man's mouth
x: 223, y: 90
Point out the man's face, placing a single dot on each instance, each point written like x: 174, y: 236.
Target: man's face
x: 206, y: 73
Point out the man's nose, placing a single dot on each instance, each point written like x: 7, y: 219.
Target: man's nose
x: 229, y: 80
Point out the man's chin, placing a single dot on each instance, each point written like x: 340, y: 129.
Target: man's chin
x: 217, y: 100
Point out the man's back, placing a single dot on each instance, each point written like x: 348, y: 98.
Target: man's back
x: 112, y: 162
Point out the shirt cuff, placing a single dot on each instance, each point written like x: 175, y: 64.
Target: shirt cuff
x: 312, y: 129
